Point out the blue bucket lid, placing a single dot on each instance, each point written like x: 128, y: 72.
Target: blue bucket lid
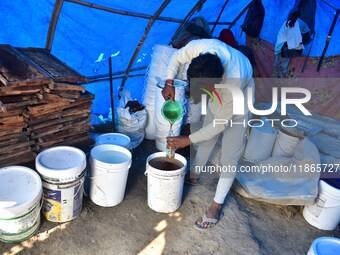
x: 115, y: 139
x: 326, y: 246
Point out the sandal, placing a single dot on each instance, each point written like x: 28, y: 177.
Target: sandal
x: 205, y: 219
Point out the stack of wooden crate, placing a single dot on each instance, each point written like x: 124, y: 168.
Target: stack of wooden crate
x: 41, y: 104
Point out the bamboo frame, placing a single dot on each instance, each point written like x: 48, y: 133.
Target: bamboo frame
x: 328, y: 39
x: 219, y: 15
x: 142, y: 40
x: 116, y: 11
x: 240, y: 15
x: 333, y: 7
x: 99, y: 76
x: 58, y: 7
x: 53, y: 24
x: 197, y: 6
x: 106, y: 78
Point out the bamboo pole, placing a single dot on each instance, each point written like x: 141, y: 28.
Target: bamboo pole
x: 328, y: 39
x: 197, y: 6
x: 219, y: 23
x: 99, y: 76
x: 53, y: 24
x: 219, y: 15
x: 107, y: 78
x: 240, y: 15
x: 116, y: 11
x: 111, y: 97
x: 333, y: 7
x: 141, y: 41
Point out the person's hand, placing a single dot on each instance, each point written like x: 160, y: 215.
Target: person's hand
x: 178, y: 142
x: 168, y: 91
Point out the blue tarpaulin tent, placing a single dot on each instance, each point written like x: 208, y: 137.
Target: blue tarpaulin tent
x: 82, y: 33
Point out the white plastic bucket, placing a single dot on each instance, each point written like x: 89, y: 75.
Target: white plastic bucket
x: 20, y: 195
x: 165, y: 188
x: 325, y: 212
x: 109, y: 171
x: 284, y: 145
x: 260, y: 143
x: 115, y: 139
x: 325, y: 246
x: 62, y: 170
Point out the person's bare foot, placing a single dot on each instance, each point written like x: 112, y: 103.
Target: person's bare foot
x: 211, y: 218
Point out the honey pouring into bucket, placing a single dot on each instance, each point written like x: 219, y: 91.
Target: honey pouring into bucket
x: 172, y: 112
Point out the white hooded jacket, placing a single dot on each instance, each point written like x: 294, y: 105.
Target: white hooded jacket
x: 237, y: 72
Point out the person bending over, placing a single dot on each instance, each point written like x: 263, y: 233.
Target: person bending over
x: 212, y: 61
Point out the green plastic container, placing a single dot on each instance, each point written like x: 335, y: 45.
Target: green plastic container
x: 172, y: 111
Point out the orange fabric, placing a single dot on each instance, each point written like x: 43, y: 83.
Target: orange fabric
x: 325, y: 92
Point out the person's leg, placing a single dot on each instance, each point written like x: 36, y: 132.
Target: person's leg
x: 203, y: 152
x: 285, y: 64
x: 233, y: 143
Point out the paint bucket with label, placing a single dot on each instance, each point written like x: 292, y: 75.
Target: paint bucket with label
x: 165, y: 181
x: 20, y: 195
x: 115, y: 139
x: 110, y: 166
x: 325, y: 212
x: 62, y: 170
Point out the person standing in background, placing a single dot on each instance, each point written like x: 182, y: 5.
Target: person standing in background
x: 289, y: 40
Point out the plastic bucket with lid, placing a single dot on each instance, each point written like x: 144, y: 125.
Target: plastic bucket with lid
x: 284, y: 145
x: 62, y: 170
x: 20, y: 195
x: 165, y: 187
x: 325, y: 246
x: 110, y: 166
x: 115, y: 139
x: 325, y: 212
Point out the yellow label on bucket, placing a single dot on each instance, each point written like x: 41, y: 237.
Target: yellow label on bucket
x: 62, y: 202
x: 52, y: 208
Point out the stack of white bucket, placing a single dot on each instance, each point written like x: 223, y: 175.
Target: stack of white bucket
x: 156, y: 72
x: 161, y: 124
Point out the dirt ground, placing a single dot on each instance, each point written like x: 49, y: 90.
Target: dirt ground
x: 248, y: 226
